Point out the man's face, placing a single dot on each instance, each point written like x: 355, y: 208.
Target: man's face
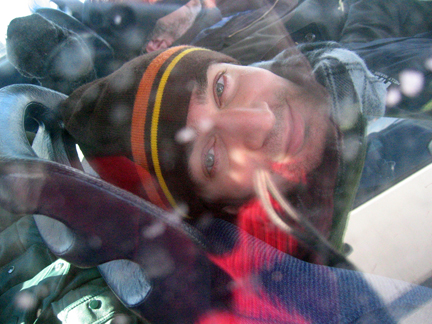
x: 247, y: 118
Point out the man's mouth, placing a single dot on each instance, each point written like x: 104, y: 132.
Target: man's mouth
x: 289, y: 165
x: 295, y: 132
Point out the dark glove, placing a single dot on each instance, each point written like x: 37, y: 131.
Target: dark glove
x: 56, y: 56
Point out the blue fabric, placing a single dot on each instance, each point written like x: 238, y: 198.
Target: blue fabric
x: 322, y: 294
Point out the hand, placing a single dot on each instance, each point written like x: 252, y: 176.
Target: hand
x: 171, y: 27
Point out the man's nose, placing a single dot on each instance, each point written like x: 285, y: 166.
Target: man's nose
x: 249, y: 126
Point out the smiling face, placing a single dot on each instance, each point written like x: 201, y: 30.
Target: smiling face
x: 247, y: 118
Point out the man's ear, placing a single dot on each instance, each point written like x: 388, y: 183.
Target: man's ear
x: 233, y: 210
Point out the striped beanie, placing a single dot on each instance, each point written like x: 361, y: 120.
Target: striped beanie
x: 126, y: 124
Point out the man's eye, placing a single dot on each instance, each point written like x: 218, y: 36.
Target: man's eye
x: 219, y: 88
x: 220, y: 85
x: 209, y: 160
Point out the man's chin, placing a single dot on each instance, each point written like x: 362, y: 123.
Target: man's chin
x: 294, y: 170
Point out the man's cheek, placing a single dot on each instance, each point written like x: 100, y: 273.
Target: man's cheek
x: 240, y: 183
x: 233, y: 185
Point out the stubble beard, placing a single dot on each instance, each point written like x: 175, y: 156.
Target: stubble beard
x: 319, y: 133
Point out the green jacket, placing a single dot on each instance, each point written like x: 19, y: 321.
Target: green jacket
x: 36, y: 287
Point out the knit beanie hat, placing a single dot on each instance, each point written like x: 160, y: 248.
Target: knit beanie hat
x: 126, y: 124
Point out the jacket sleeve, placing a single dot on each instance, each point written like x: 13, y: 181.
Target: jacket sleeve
x: 36, y: 286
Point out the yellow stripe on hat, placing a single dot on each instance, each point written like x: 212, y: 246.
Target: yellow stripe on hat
x: 155, y: 124
x: 139, y: 120
x: 141, y: 105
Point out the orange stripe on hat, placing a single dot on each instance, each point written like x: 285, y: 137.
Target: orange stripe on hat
x: 139, y: 121
x: 155, y: 124
x: 141, y: 105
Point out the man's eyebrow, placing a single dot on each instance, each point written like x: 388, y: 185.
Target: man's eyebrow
x: 199, y: 97
x: 200, y: 92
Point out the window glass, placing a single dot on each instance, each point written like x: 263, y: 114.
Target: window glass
x: 213, y: 161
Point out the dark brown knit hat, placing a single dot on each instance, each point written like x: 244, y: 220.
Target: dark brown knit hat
x: 126, y: 123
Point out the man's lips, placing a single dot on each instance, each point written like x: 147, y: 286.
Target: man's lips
x: 294, y: 138
x: 295, y: 132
